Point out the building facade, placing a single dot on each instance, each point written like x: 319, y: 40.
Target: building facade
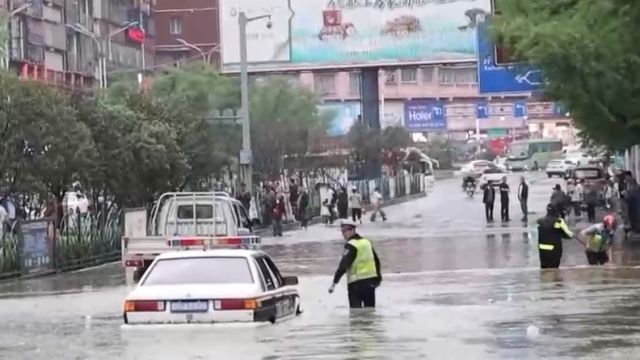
x: 63, y: 41
x: 187, y: 30
x: 454, y: 88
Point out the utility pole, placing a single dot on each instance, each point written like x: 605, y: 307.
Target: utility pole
x: 246, y: 158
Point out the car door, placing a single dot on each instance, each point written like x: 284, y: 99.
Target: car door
x: 287, y: 298
x: 271, y: 287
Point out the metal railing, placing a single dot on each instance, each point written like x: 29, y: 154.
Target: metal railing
x: 78, y: 241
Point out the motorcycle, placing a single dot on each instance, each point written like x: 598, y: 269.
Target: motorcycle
x: 470, y: 189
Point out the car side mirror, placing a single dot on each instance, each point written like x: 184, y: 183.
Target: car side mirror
x: 289, y: 280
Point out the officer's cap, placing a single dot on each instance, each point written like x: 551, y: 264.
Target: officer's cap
x: 348, y: 223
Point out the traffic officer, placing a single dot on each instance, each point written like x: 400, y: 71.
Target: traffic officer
x: 551, y: 230
x: 362, y: 266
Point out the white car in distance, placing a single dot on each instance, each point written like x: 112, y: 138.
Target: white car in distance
x: 493, y: 176
x: 559, y: 167
x: 212, y: 286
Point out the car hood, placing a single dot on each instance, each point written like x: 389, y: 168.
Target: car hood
x: 194, y: 291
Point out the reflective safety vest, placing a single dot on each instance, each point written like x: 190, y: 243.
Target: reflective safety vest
x: 598, y: 242
x: 364, y: 265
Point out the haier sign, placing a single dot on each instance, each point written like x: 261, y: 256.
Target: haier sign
x: 424, y: 116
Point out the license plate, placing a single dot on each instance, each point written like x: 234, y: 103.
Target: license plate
x: 189, y: 306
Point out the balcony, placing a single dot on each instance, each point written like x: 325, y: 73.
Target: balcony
x: 65, y: 80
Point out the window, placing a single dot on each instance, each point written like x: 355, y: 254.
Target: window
x: 465, y: 76
x: 266, y: 275
x: 200, y: 270
x: 409, y: 75
x: 202, y: 212
x: 274, y: 270
x: 390, y: 77
x: 325, y: 84
x: 446, y: 76
x: 175, y: 26
x: 354, y: 83
x: 427, y: 74
x: 277, y: 280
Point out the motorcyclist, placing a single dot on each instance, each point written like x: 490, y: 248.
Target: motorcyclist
x: 468, y: 181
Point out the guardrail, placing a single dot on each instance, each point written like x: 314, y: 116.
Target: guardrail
x: 43, y: 246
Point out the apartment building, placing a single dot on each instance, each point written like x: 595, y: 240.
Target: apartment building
x: 63, y: 41
x: 187, y: 30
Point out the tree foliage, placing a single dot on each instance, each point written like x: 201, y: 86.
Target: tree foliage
x: 126, y: 146
x: 589, y: 54
x: 284, y: 121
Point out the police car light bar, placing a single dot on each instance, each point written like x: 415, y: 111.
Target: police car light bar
x: 225, y: 241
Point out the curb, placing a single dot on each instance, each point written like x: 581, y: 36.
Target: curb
x: 294, y: 225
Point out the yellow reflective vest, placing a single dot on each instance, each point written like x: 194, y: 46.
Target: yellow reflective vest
x: 364, y: 265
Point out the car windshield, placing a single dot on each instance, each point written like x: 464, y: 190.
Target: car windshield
x: 201, y: 270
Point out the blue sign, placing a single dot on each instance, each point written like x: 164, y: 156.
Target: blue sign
x: 37, y: 247
x: 493, y: 78
x: 520, y: 109
x: 482, y: 110
x: 424, y: 116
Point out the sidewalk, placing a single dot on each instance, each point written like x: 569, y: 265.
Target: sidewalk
x: 293, y: 225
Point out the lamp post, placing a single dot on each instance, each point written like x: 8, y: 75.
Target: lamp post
x: 7, y: 46
x: 191, y: 46
x: 245, y: 153
x: 111, y: 35
x: 102, y: 61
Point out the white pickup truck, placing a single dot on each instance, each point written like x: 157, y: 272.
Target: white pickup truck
x: 178, y: 219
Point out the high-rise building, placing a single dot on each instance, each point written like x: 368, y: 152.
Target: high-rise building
x: 187, y: 30
x: 66, y: 42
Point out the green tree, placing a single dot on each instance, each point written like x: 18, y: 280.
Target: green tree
x: 395, y: 137
x: 44, y: 147
x: 138, y: 152
x: 589, y: 54
x: 284, y: 120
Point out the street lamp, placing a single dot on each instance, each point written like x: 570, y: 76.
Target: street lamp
x: 111, y: 35
x: 7, y: 45
x: 102, y: 61
x: 190, y: 45
x: 245, y: 154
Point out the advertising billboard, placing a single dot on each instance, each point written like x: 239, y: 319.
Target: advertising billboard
x: 341, y: 115
x: 424, y: 116
x: 316, y: 34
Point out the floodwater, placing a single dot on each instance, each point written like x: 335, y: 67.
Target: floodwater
x: 474, y: 294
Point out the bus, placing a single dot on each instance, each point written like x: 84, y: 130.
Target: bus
x: 532, y: 154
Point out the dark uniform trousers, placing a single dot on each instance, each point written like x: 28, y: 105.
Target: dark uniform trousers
x: 362, y: 293
x: 550, y: 259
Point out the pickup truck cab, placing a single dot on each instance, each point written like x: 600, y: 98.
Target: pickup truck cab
x: 175, y: 216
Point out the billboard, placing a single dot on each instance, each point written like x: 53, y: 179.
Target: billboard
x: 316, y: 34
x: 424, y: 116
x: 341, y: 115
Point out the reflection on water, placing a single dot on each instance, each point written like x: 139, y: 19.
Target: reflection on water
x: 466, y: 297
x: 462, y: 314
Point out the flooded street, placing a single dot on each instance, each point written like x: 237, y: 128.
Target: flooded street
x: 453, y: 288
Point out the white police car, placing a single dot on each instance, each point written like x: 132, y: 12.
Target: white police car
x: 212, y: 286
